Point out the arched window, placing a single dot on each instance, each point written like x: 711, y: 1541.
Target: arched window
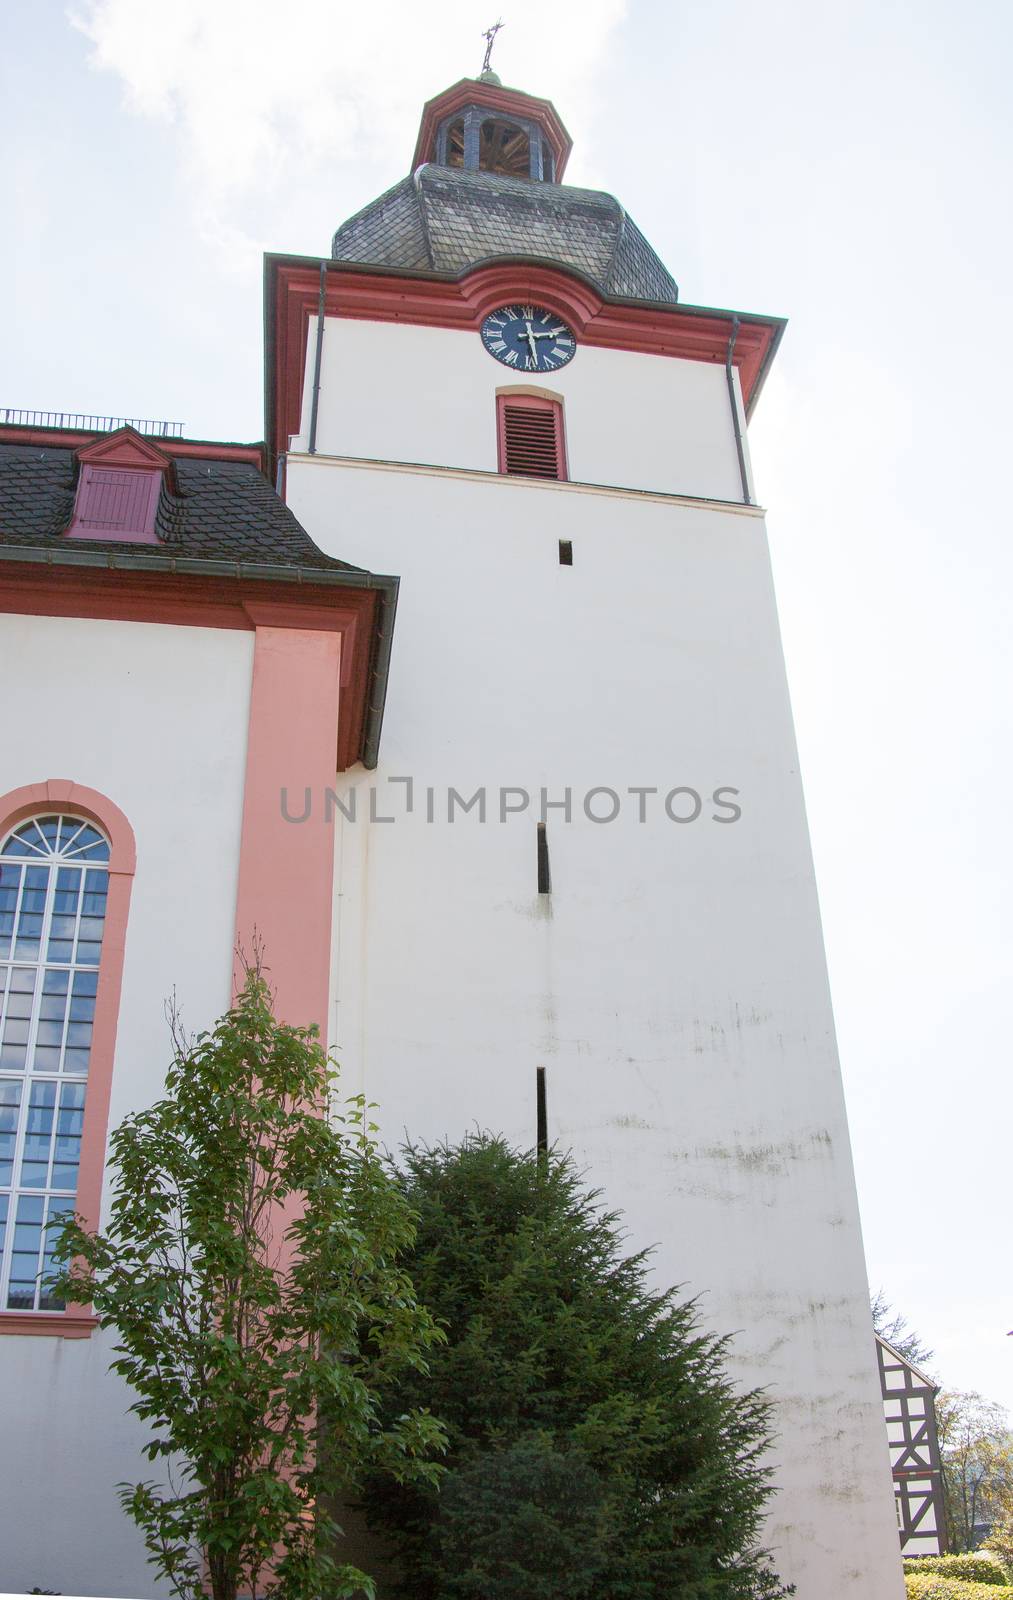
x: 54, y: 883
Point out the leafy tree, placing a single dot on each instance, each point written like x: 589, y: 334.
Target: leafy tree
x: 562, y: 1362
x: 976, y: 1447
x: 250, y: 1269
x: 896, y: 1330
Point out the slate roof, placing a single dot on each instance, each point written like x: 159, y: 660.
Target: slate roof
x: 447, y: 220
x: 225, y: 510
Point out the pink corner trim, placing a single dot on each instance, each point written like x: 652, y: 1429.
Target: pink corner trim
x: 62, y: 793
x: 286, y: 869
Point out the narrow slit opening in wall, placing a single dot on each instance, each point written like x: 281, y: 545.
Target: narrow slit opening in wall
x: 544, y: 875
x: 566, y: 552
x: 541, y: 1114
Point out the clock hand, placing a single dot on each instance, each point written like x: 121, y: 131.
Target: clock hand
x: 531, y: 341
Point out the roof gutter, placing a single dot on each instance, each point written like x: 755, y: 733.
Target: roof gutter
x: 315, y: 402
x: 733, y: 402
x: 379, y: 672
x: 384, y: 584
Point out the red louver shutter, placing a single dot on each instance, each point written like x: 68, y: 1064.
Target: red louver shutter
x: 531, y: 437
x: 116, y: 504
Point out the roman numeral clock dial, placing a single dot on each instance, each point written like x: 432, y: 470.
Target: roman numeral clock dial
x: 528, y: 338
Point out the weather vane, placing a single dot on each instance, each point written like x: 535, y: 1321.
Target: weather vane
x: 490, y: 39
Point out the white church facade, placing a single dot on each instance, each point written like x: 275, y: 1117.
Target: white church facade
x: 534, y: 856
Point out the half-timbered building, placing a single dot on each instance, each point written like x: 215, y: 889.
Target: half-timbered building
x: 909, y: 1405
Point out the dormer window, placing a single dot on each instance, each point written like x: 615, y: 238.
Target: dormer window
x: 120, y: 481
x: 116, y: 504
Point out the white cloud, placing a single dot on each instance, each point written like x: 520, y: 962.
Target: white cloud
x: 255, y: 92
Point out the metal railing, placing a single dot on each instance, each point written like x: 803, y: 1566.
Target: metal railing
x: 88, y: 424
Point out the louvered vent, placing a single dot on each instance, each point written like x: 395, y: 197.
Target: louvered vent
x: 115, y: 504
x: 531, y: 438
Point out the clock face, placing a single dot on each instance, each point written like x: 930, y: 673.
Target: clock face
x: 528, y: 338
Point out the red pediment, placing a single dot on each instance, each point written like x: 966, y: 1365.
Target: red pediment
x: 125, y: 448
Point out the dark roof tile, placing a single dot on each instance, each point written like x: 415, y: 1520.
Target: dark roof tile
x: 448, y: 220
x: 225, y: 510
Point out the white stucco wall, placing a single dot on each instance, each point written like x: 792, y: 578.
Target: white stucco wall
x: 395, y: 392
x: 155, y: 718
x: 674, y: 986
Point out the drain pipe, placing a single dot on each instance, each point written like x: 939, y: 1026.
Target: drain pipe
x: 315, y: 403
x: 739, y: 446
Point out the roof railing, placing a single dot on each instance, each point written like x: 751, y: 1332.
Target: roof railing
x: 88, y: 424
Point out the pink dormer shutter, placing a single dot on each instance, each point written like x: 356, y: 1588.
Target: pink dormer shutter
x: 116, y: 503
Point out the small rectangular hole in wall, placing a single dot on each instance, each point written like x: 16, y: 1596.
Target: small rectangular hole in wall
x: 566, y: 552
x: 541, y: 1114
x: 544, y: 876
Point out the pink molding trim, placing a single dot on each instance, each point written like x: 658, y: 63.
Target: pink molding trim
x: 60, y: 793
x: 70, y: 1324
x: 286, y: 869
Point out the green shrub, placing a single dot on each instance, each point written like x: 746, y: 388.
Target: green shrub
x: 970, y: 1567
x: 596, y: 1446
x: 935, y: 1586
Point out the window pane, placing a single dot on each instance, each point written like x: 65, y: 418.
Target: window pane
x: 69, y: 827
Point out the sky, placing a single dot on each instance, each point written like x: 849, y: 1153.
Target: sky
x: 846, y: 167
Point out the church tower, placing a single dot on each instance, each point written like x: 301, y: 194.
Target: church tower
x: 574, y: 899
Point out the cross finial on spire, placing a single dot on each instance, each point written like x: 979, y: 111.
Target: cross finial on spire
x: 490, y: 39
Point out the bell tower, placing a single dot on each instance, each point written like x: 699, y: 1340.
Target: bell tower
x: 575, y: 898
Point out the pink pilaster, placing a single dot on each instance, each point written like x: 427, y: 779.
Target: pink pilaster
x: 286, y: 868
